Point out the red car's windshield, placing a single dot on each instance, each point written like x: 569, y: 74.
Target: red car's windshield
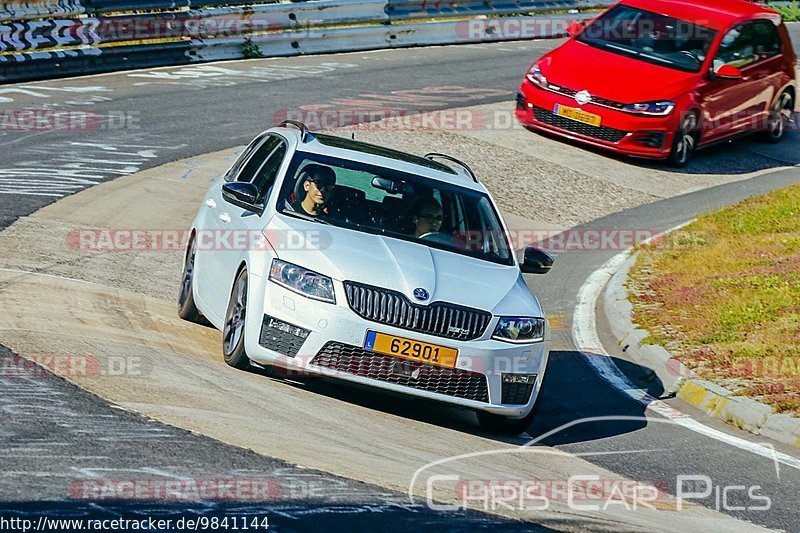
x: 650, y: 37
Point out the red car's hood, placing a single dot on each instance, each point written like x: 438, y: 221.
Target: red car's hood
x: 579, y: 66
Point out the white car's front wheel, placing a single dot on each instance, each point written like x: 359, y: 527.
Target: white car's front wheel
x: 508, y: 426
x: 233, y: 330
x: 187, y: 309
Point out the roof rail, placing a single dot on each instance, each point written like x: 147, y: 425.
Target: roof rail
x: 304, y: 132
x: 452, y: 159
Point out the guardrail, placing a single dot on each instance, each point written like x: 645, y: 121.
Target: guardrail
x: 53, y: 38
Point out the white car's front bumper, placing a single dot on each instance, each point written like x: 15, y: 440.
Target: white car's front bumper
x: 336, y: 335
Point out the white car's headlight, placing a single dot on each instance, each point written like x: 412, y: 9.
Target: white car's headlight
x: 303, y: 281
x: 520, y: 330
x: 660, y: 108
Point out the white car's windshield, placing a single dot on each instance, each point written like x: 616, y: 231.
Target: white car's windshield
x: 650, y: 37
x: 382, y: 201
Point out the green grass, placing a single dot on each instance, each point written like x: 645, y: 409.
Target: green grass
x: 790, y: 13
x: 250, y: 50
x: 723, y: 295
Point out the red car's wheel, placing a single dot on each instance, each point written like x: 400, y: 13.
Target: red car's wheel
x: 780, y: 118
x: 685, y: 141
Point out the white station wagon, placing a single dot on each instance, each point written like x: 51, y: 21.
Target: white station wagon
x: 333, y: 257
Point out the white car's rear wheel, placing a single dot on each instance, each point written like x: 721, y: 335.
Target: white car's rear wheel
x: 234, y: 330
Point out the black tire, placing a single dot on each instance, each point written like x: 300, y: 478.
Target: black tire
x: 187, y: 309
x: 508, y: 426
x: 685, y: 141
x: 780, y: 116
x: 233, y: 331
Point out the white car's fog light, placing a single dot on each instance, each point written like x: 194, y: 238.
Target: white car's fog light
x: 302, y: 281
x: 519, y: 378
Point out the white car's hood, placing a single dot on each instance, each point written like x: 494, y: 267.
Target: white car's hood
x: 348, y: 255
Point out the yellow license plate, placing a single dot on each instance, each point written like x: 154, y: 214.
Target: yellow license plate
x: 410, y: 349
x: 577, y: 114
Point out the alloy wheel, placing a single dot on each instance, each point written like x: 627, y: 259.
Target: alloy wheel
x: 234, y: 320
x: 781, y: 116
x: 686, y: 141
x: 188, y: 273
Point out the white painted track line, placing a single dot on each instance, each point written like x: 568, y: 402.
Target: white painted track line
x: 584, y: 334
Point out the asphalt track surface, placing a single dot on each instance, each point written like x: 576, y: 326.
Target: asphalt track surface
x: 183, y: 112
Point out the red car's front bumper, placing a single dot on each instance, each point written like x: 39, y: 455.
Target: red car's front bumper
x: 620, y: 132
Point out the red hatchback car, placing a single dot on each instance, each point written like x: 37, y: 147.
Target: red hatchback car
x: 659, y: 78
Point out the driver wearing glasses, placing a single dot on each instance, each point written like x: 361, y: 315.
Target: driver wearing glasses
x: 318, y: 184
x: 427, y: 215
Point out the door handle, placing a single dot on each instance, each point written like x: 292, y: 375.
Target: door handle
x: 211, y: 203
x: 225, y: 217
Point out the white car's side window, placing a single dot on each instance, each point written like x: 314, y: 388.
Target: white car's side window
x: 245, y: 155
x: 265, y: 177
x: 257, y: 160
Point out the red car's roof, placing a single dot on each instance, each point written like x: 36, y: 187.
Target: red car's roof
x: 717, y: 14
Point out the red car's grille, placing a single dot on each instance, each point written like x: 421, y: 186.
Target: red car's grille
x: 357, y: 361
x: 597, y: 132
x: 595, y: 99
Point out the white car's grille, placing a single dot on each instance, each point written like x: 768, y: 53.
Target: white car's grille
x: 393, y: 308
x: 360, y: 362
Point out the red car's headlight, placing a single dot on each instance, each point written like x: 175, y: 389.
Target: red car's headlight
x: 660, y: 108
x: 536, y: 77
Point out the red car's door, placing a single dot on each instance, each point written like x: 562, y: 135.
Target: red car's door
x: 734, y: 105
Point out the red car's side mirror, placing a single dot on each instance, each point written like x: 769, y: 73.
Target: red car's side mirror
x: 728, y: 72
x: 575, y: 28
